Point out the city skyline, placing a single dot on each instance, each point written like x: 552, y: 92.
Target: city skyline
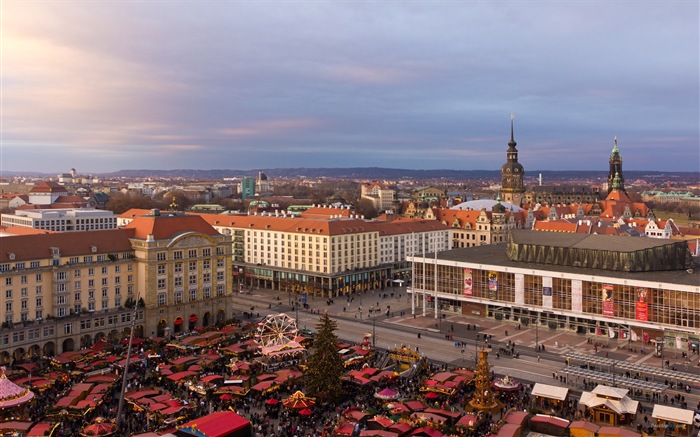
x: 108, y: 86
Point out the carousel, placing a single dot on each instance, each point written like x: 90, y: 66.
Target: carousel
x: 99, y: 427
x: 12, y: 397
x: 299, y: 401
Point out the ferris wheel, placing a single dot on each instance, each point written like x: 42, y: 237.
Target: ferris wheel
x: 276, y: 329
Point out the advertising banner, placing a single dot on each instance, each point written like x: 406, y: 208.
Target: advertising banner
x: 493, y: 285
x: 576, y: 296
x: 608, y: 302
x: 546, y: 292
x: 642, y: 305
x: 519, y: 289
x: 467, y: 281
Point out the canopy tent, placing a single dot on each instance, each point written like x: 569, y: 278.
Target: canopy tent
x: 11, y: 394
x: 219, y: 424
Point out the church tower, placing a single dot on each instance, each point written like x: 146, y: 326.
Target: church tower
x: 512, y: 173
x: 616, y: 170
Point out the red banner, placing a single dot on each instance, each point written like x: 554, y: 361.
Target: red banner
x: 467, y: 282
x: 642, y: 306
x: 608, y: 302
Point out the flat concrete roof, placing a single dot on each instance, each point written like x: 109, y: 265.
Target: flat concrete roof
x: 495, y: 254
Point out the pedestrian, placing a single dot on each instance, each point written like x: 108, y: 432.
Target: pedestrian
x: 538, y: 358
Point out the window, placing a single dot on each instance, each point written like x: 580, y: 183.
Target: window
x: 91, y: 295
x: 117, y: 291
x: 68, y: 328
x: 91, y: 271
x: 219, y: 290
x: 206, y: 278
x: 39, y: 289
x: 117, y: 279
x: 178, y: 297
x: 104, y: 270
x: 206, y: 252
x: 193, y: 280
x: 8, y: 281
x: 178, y: 281
x: 8, y: 307
x: 104, y: 281
x: 160, y: 256
x: 192, y: 253
x: 34, y: 264
x: 8, y: 294
x: 39, y: 314
x: 193, y: 295
x: 161, y: 284
x: 178, y: 267
x: 161, y: 299
x: 23, y: 279
x: 105, y: 305
x: 206, y: 264
x: 207, y: 292
x: 38, y: 302
x: 91, y: 283
x: 219, y: 262
x: 61, y: 300
x: 24, y: 304
x: 117, y: 269
x: 76, y: 297
x: 219, y: 276
x: 118, y: 302
x: 177, y: 254
x: 161, y: 269
x: 76, y: 285
x: 193, y: 266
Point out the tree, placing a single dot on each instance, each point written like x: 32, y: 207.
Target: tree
x: 366, y: 208
x: 119, y: 203
x: 325, y: 367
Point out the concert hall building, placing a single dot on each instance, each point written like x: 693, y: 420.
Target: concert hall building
x: 635, y: 288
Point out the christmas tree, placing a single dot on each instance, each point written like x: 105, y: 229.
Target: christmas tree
x: 325, y: 367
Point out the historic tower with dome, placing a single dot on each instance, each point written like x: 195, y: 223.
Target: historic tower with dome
x: 512, y: 174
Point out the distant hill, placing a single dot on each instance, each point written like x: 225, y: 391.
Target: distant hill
x: 548, y: 176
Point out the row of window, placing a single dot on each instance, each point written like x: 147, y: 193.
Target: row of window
x: 191, y: 253
x: 162, y: 297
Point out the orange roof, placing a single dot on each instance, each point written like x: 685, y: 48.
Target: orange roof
x: 22, y: 230
x: 166, y: 226
x: 320, y: 212
x: 47, y: 187
x: 38, y: 246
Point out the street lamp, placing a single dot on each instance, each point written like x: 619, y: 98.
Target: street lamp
x: 537, y: 333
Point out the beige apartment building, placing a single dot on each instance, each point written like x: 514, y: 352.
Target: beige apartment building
x: 65, y: 291
x: 325, y: 257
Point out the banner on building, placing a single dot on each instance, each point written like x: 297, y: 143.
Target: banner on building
x: 467, y: 281
x: 519, y: 289
x: 608, y: 302
x: 642, y: 304
x: 493, y: 285
x: 576, y: 296
x: 546, y: 292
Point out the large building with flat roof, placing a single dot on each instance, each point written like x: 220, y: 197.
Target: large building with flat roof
x: 637, y: 288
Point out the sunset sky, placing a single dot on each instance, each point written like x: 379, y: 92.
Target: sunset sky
x: 107, y: 85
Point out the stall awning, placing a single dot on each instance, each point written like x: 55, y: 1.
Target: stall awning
x: 550, y: 391
x: 671, y: 414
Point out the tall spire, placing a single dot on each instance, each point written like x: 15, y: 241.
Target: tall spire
x: 615, y: 149
x: 512, y: 142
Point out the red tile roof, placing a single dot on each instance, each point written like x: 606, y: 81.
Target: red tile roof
x: 47, y: 187
x: 168, y: 225
x: 38, y: 246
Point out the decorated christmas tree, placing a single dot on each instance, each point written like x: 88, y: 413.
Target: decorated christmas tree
x: 325, y: 367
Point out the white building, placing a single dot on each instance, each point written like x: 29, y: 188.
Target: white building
x: 62, y: 220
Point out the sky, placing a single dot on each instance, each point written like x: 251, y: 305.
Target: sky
x: 101, y: 86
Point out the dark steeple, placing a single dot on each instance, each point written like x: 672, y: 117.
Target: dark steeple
x: 512, y: 172
x: 616, y: 170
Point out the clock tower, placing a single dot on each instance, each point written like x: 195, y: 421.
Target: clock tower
x: 512, y: 173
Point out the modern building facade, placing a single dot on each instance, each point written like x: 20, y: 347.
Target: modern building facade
x: 636, y: 288
x: 62, y: 220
